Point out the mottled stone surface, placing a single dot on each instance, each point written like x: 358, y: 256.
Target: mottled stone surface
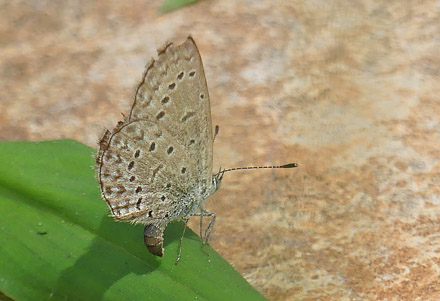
x: 348, y: 89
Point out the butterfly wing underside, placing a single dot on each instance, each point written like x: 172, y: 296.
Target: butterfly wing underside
x: 149, y: 164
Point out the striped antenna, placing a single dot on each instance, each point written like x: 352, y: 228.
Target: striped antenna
x: 290, y: 165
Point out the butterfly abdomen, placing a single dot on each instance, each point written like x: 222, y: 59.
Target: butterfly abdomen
x: 153, y: 239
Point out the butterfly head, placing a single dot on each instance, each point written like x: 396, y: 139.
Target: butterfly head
x: 217, y: 180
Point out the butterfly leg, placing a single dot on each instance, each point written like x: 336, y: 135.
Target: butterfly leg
x: 201, y: 226
x: 181, y: 240
x: 211, y: 224
x: 208, y: 230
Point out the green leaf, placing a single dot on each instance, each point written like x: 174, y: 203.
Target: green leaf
x: 170, y: 5
x: 56, y: 240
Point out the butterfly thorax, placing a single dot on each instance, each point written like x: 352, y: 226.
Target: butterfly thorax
x: 201, y: 194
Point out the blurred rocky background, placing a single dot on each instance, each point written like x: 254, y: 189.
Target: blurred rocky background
x: 350, y: 90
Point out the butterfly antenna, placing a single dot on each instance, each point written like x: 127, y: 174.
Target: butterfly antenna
x: 216, y: 130
x: 290, y: 165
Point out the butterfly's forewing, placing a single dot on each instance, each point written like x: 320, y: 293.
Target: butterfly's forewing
x: 174, y: 94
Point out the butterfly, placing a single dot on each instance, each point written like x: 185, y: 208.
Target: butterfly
x: 156, y: 166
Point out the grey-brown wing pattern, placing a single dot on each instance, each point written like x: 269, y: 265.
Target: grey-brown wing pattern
x: 150, y: 164
x: 174, y: 94
x: 139, y: 171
